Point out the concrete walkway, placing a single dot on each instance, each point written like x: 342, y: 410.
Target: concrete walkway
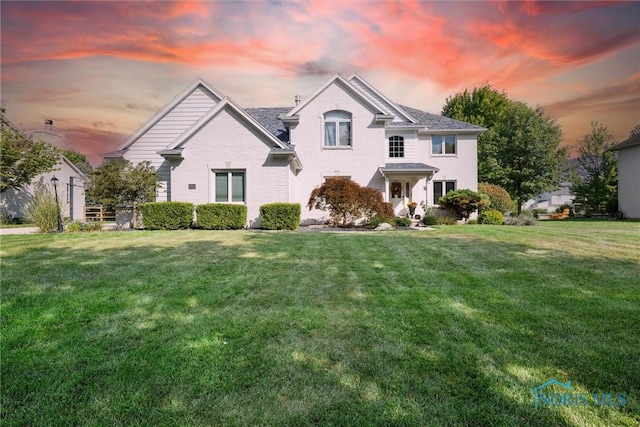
x: 19, y: 230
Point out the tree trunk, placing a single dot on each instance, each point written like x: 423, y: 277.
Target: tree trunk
x: 134, y: 221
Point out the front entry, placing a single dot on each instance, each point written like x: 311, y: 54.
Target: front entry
x: 399, y: 192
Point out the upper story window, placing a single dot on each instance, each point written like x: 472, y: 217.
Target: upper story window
x: 396, y: 146
x: 337, y: 129
x: 443, y: 144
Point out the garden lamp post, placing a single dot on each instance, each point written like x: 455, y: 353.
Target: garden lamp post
x: 54, y: 181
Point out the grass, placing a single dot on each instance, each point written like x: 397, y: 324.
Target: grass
x: 448, y: 327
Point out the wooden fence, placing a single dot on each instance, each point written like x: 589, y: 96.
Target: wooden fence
x: 98, y: 213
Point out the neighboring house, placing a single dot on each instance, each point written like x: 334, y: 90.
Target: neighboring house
x: 71, y: 183
x: 208, y: 149
x: 553, y: 200
x: 629, y: 176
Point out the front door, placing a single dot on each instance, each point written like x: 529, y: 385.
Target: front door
x: 398, y: 192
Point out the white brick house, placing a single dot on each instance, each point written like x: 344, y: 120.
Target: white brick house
x: 208, y: 149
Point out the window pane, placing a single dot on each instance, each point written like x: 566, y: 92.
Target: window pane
x: 451, y: 186
x: 330, y: 134
x: 437, y: 191
x: 222, y: 187
x: 436, y: 144
x: 345, y: 134
x: 450, y: 144
x: 237, y: 187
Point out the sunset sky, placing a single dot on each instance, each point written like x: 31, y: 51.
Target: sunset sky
x: 100, y: 69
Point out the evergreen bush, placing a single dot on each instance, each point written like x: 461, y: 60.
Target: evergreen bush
x: 491, y: 217
x: 280, y: 216
x: 166, y: 215
x: 221, y: 216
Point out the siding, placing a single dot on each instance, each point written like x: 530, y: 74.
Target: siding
x: 629, y: 181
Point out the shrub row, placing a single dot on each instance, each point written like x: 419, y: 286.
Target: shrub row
x: 217, y: 216
x: 280, y: 216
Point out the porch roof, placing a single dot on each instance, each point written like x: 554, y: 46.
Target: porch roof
x: 407, y: 169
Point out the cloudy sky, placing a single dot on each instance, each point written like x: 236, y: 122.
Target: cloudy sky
x: 100, y: 69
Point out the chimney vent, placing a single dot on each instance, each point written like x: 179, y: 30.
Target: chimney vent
x: 48, y: 123
x: 297, y: 98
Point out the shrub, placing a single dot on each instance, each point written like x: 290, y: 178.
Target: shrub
x: 462, y: 203
x: 498, y: 196
x: 471, y: 222
x: 280, y: 216
x: 93, y: 226
x: 522, y: 219
x: 445, y: 220
x: 43, y: 210
x: 348, y: 202
x: 221, y: 216
x: 538, y: 211
x: 166, y: 215
x: 403, y: 222
x: 566, y: 206
x: 73, y: 227
x: 429, y: 220
x: 491, y: 217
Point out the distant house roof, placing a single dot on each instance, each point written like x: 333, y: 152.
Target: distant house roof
x: 631, y: 142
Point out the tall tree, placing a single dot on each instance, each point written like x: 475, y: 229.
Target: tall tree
x: 520, y: 151
x: 484, y: 106
x: 22, y: 159
x: 78, y: 159
x: 525, y: 149
x: 634, y: 131
x: 595, y: 180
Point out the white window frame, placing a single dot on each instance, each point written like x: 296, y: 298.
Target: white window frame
x: 229, y: 174
x: 397, y: 148
x: 337, y: 117
x: 443, y: 189
x: 444, y: 145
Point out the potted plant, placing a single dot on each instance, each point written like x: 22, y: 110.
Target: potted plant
x: 412, y: 208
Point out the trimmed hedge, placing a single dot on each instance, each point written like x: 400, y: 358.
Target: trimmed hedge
x: 491, y: 217
x: 280, y: 216
x: 166, y: 215
x: 221, y: 216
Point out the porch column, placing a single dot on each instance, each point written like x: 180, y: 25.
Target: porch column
x: 386, y: 189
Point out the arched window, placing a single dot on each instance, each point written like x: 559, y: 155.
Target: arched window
x: 337, y: 129
x: 396, y: 146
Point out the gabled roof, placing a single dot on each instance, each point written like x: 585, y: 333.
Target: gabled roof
x: 166, y: 109
x: 345, y: 84
x: 69, y: 163
x: 391, y: 106
x: 631, y: 142
x: 220, y: 106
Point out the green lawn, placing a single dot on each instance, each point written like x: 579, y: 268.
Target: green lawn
x: 448, y: 327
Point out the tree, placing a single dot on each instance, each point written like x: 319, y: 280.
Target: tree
x: 119, y: 183
x: 484, y: 106
x: 79, y: 160
x: 22, y: 159
x: 348, y: 202
x: 520, y: 150
x: 139, y: 186
x: 525, y: 149
x: 463, y: 203
x: 595, y: 179
x: 635, y: 131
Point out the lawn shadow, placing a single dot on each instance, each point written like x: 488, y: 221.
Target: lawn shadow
x: 304, y: 328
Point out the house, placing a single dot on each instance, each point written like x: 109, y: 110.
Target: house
x: 207, y: 148
x: 550, y: 201
x: 629, y: 176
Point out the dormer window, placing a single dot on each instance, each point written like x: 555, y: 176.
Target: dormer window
x: 396, y: 146
x: 337, y: 129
